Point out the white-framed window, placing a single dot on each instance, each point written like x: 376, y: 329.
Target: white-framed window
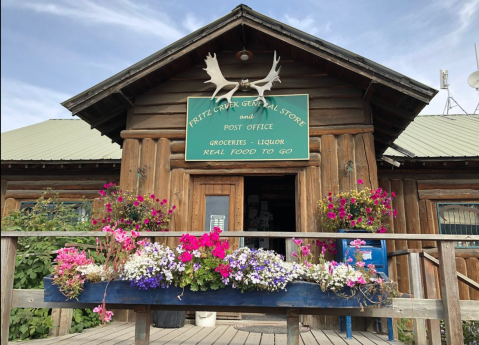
x: 459, y: 219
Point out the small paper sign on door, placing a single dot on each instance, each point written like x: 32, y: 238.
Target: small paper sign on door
x: 217, y: 220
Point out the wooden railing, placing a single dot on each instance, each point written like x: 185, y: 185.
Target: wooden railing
x: 450, y: 308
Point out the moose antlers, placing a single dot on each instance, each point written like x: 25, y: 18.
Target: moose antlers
x: 217, y: 78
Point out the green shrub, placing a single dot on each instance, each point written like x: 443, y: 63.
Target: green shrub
x: 34, y: 260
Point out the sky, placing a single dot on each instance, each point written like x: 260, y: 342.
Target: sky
x: 52, y: 50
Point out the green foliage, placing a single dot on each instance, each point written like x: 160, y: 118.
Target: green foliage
x: 405, y: 333
x: 82, y: 319
x: 29, y: 323
x: 470, y: 331
x: 35, y: 255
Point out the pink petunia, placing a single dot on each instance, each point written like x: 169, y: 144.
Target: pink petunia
x: 136, y: 203
x: 297, y: 241
x: 331, y: 215
x: 330, y: 206
x: 353, y: 200
x: 120, y: 199
x: 360, y: 181
x: 140, y: 198
x: 152, y: 196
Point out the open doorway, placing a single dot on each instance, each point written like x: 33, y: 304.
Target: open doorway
x: 269, y: 206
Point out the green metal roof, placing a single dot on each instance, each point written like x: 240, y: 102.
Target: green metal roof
x: 58, y: 140
x: 437, y: 136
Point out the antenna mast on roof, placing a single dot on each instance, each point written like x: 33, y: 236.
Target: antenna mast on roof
x: 443, y: 75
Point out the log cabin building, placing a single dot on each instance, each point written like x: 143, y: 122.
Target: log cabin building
x: 361, y: 122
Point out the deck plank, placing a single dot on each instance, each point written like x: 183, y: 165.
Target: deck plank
x: 267, y: 339
x: 253, y: 339
x: 308, y: 338
x: 123, y: 334
x: 240, y: 338
x: 353, y: 341
x: 321, y: 338
x: 197, y: 337
x: 227, y: 336
x: 363, y: 340
x: 182, y: 337
x: 375, y: 338
x: 334, y: 337
x: 213, y: 335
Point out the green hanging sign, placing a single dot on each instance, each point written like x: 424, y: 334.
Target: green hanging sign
x: 248, y: 130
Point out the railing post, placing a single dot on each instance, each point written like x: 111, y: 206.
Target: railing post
x: 8, y: 252
x: 290, y: 248
x: 292, y: 324
x: 450, y: 293
x: 142, y: 324
x: 430, y: 289
x: 416, y: 289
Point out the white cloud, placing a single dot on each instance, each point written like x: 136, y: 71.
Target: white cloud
x: 307, y: 24
x: 124, y: 13
x: 24, y: 104
x: 192, y: 23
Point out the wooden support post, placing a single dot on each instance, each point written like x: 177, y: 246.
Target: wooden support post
x: 290, y: 248
x: 4, y: 193
x: 450, y: 293
x: 416, y: 289
x: 56, y: 313
x: 8, y: 252
x: 292, y: 325
x: 142, y: 325
x: 65, y: 321
x: 430, y: 290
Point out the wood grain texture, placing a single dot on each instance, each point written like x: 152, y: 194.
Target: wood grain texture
x: 4, y: 192
x: 142, y: 326
x: 430, y: 292
x: 463, y: 287
x: 411, y: 204
x: 163, y: 169
x: 130, y: 164
x: 472, y: 265
x: 148, y: 165
x: 8, y: 252
x: 416, y: 290
x: 346, y: 159
x: 450, y: 294
x: 449, y: 194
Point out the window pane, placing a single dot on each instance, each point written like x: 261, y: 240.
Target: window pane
x: 217, y: 212
x: 459, y: 219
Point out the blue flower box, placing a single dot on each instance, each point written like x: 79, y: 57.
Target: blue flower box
x: 297, y: 295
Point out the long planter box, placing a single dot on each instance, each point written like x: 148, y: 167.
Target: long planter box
x: 298, y: 295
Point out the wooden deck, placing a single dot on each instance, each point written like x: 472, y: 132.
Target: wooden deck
x: 223, y: 334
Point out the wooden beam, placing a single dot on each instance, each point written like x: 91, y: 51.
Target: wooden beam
x: 368, y: 94
x: 448, y: 194
x: 405, y: 114
x: 402, y: 150
x: 142, y: 325
x: 450, y: 293
x: 108, y: 116
x: 253, y: 234
x: 8, y: 252
x: 391, y: 161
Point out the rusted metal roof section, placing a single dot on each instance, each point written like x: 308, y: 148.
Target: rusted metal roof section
x: 58, y: 140
x: 392, y: 95
x: 440, y: 136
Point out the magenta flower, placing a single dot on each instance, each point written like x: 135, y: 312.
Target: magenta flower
x: 353, y: 200
x: 146, y: 221
x: 102, y: 192
x: 152, y: 196
x: 360, y: 181
x: 136, y: 203
x: 353, y: 223
x: 120, y: 199
x: 368, y: 209
x: 331, y: 206
x: 140, y: 198
x: 298, y: 241
x: 331, y: 215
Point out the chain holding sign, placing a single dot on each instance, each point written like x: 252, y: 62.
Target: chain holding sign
x: 247, y: 129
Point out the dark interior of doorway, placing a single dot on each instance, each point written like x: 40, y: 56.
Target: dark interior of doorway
x: 269, y: 206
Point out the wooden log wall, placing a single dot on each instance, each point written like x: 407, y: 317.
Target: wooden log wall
x: 416, y: 203
x: 30, y: 185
